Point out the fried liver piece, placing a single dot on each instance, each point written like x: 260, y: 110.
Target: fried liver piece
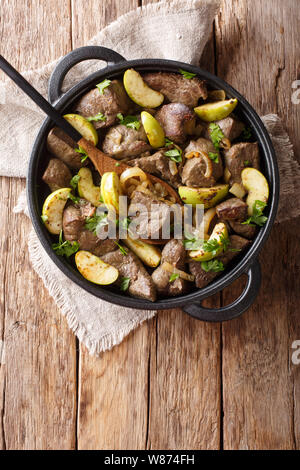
x: 199, y: 172
x: 239, y: 157
x: 177, y: 120
x: 57, y: 175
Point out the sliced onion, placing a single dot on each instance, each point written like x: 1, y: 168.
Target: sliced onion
x: 225, y: 143
x: 173, y: 168
x: 204, y: 226
x: 192, y: 154
x: 171, y: 269
x: 134, y: 172
x: 209, y: 166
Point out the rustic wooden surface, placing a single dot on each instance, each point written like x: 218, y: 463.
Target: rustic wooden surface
x: 174, y: 383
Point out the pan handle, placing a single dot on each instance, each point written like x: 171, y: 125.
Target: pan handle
x: 237, y: 307
x: 73, y: 58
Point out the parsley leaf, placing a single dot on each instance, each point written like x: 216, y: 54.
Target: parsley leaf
x: 175, y: 155
x: 187, y: 74
x: 214, y: 157
x: 120, y: 116
x: 97, y: 117
x: 125, y: 281
x: 92, y: 223
x: 246, y: 163
x: 247, y: 133
x: 216, y: 134
x: 83, y: 153
x: 74, y: 182
x: 65, y: 248
x: 121, y: 248
x: 257, y: 218
x: 44, y: 218
x: 213, y: 265
x: 173, y: 277
x: 131, y: 122
x: 102, y: 85
x: 73, y: 198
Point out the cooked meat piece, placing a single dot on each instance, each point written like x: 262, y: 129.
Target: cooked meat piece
x: 63, y: 147
x: 173, y: 253
x: 149, y: 215
x: 239, y: 157
x: 231, y: 128
x: 74, y: 218
x: 141, y: 284
x: 121, y: 142
x: 202, y: 278
x: 199, y: 171
x: 232, y: 209
x: 245, y: 230
x: 159, y: 165
x: 57, y: 175
x: 176, y: 88
x: 114, y: 100
x: 177, y: 120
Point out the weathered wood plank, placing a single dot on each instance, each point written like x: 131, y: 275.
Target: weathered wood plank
x: 113, y: 389
x: 38, y: 380
x: 185, y: 396
x: 256, y: 52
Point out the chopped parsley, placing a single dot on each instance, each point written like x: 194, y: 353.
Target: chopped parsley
x: 117, y: 164
x: 96, y: 221
x: 121, y: 248
x: 97, y: 117
x: 168, y: 142
x: 246, y: 163
x: 83, y: 154
x: 216, y: 134
x: 212, y: 246
x: 257, y: 218
x: 73, y: 198
x: 173, y: 277
x: 44, y: 218
x: 120, y: 116
x: 187, y: 74
x: 213, y: 265
x: 65, y: 248
x: 74, y: 182
x: 102, y: 85
x: 125, y: 281
x: 130, y: 121
x: 247, y: 133
x: 175, y: 155
x: 214, y: 157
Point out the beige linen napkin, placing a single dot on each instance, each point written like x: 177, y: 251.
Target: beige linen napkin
x: 177, y: 30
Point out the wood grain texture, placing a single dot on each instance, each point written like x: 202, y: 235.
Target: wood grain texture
x: 260, y: 385
x: 38, y: 379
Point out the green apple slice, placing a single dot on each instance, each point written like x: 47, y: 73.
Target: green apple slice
x: 94, y: 269
x: 139, y: 91
x: 86, y: 188
x: 219, y: 235
x: 111, y: 190
x: 209, y: 197
x: 210, y: 112
x: 257, y: 187
x: 53, y: 208
x: 83, y: 126
x: 149, y: 254
x: 153, y: 129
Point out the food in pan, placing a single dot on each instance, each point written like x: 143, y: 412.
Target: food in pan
x: 172, y: 126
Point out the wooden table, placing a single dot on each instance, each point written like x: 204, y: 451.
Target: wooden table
x: 174, y: 383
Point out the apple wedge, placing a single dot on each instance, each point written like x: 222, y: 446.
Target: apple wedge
x: 153, y: 129
x: 83, y: 126
x: 216, y: 111
x: 94, y: 269
x: 216, y: 240
x: 256, y: 186
x: 53, y: 208
x: 149, y: 254
x: 209, y: 197
x: 139, y: 91
x: 111, y: 190
x: 86, y: 188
